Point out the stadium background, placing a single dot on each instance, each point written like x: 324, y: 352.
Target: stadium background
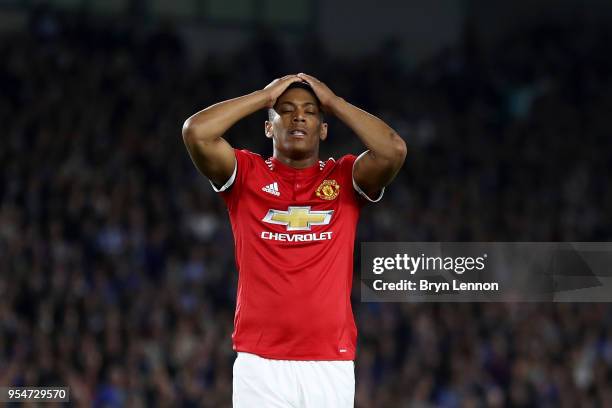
x: 117, y: 274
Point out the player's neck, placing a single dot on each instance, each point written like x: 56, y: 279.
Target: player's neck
x: 301, y: 163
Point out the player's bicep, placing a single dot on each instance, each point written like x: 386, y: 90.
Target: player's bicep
x: 370, y: 175
x: 214, y: 159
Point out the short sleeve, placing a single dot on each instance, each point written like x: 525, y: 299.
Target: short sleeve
x: 232, y: 188
x: 358, y: 189
x: 228, y: 183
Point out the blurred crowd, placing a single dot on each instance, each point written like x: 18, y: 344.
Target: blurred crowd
x: 117, y: 276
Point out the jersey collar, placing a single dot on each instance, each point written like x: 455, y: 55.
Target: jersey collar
x: 282, y: 168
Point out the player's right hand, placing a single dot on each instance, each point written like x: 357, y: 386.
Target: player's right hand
x: 276, y: 88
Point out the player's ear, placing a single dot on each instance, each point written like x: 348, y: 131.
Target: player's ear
x: 268, y: 129
x: 323, y: 133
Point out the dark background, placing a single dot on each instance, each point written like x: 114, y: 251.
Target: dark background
x: 117, y: 276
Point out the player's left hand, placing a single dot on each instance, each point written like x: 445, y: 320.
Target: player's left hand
x: 325, y: 95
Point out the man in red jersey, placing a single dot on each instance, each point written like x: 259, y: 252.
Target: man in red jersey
x: 294, y: 218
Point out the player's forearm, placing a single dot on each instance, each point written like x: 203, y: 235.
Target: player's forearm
x: 212, y: 122
x: 382, y: 141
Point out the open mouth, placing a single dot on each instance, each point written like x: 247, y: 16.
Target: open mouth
x: 297, y: 133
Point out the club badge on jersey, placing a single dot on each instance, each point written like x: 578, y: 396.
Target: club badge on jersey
x: 328, y: 190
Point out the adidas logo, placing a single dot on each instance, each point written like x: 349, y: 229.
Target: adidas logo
x: 272, y: 189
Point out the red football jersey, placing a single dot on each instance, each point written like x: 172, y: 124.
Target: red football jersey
x: 294, y: 233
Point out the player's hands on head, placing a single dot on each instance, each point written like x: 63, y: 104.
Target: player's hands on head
x: 326, y: 96
x: 276, y: 88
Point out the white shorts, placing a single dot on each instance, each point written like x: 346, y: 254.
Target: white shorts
x: 265, y: 383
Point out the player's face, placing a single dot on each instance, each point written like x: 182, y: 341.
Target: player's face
x: 297, y: 128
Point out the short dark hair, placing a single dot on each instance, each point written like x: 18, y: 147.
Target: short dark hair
x: 301, y: 85
x: 305, y: 86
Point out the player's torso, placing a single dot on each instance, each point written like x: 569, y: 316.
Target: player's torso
x: 296, y: 208
x: 294, y: 233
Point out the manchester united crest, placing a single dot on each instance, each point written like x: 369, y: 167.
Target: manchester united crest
x: 328, y: 190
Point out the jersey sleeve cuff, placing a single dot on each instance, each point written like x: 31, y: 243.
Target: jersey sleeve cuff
x: 228, y: 183
x: 359, y: 190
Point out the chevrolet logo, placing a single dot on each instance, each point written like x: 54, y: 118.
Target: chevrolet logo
x: 298, y: 218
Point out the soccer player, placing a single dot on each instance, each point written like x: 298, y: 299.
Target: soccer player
x: 294, y: 218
